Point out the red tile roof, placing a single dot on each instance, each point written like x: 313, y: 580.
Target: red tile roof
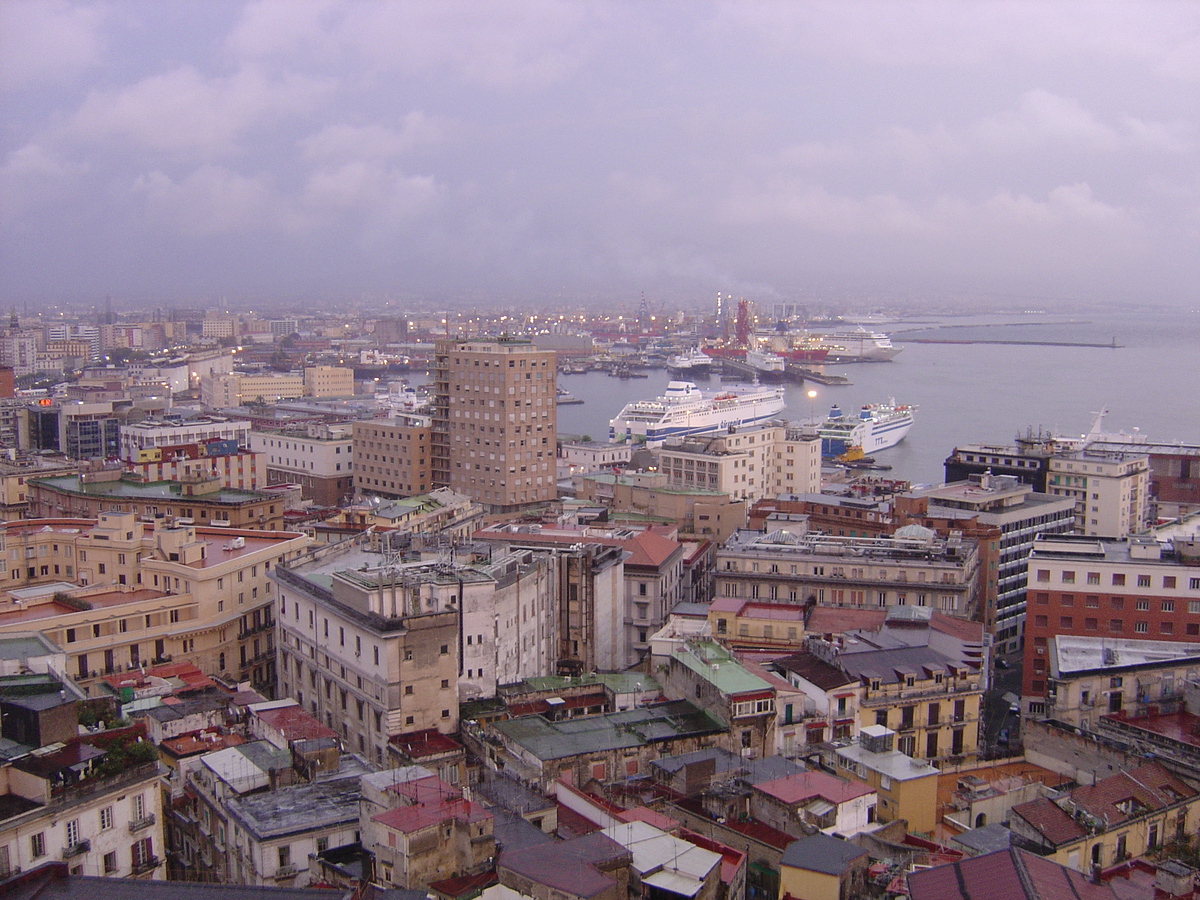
x: 427, y: 742
x: 433, y: 801
x: 807, y: 785
x: 295, y: 724
x: 1150, y: 786
x: 1011, y: 874
x: 650, y: 549
x: 1048, y: 820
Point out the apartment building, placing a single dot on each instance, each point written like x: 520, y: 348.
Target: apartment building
x: 221, y: 391
x: 199, y: 495
x: 153, y: 438
x: 618, y: 634
x: 906, y: 787
x: 328, y: 381
x: 647, y: 495
x: 394, y: 456
x: 746, y: 464
x: 318, y: 457
x: 1003, y: 502
x: 1090, y: 677
x: 116, y: 592
x: 913, y: 567
x: 1099, y: 825
x: 1111, y: 490
x: 91, y: 803
x: 15, y: 473
x: 495, y: 422
x: 1140, y: 589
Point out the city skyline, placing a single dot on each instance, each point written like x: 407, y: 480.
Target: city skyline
x: 301, y: 152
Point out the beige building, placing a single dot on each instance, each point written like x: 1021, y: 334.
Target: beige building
x: 221, y: 391
x: 118, y: 592
x: 394, y: 457
x: 318, y: 457
x: 328, y: 381
x: 912, y: 568
x: 746, y: 464
x: 1111, y: 490
x: 907, y: 787
x: 695, y: 510
x: 495, y: 422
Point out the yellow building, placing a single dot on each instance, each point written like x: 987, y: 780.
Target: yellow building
x: 1122, y: 816
x: 118, y: 593
x: 821, y: 867
x: 907, y: 787
x: 749, y: 624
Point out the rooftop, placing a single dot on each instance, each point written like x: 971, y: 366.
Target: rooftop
x: 807, y: 785
x: 151, y: 490
x: 1012, y: 873
x: 628, y: 728
x: 298, y: 808
x: 1071, y: 654
x: 891, y: 763
x: 822, y: 853
x: 713, y: 663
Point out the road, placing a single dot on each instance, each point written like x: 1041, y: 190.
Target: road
x: 996, y: 716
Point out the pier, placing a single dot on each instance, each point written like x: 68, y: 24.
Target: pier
x: 792, y: 372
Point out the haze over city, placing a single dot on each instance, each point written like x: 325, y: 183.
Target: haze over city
x: 306, y: 152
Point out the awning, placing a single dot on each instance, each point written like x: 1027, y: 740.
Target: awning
x: 674, y: 882
x: 819, y: 807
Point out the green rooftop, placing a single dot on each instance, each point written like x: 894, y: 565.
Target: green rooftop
x: 148, y: 490
x: 712, y: 662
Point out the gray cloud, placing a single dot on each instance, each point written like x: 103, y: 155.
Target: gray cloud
x: 318, y: 148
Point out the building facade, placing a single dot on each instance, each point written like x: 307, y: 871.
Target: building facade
x: 495, y: 422
x: 395, y: 456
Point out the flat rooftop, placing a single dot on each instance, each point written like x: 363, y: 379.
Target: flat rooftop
x: 1083, y: 654
x: 151, y: 490
x: 299, y: 808
x: 108, y: 600
x: 892, y: 763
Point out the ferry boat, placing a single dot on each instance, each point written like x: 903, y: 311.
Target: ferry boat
x: 876, y: 427
x: 859, y: 345
x: 684, y: 410
x: 690, y: 362
x: 766, y: 364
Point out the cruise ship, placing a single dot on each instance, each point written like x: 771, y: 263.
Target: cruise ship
x: 684, y: 410
x: 859, y: 345
x: 690, y: 362
x: 876, y: 427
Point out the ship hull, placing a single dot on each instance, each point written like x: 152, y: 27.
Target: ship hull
x: 869, y: 435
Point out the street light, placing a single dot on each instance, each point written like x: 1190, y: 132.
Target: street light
x: 812, y: 405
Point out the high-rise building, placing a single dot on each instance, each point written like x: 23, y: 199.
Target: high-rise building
x: 495, y: 422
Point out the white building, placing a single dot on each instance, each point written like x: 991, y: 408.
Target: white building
x: 320, y: 458
x: 152, y: 434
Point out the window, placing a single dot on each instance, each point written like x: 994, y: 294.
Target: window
x: 37, y: 844
x: 110, y: 862
x: 106, y: 818
x: 142, y: 853
x: 1093, y: 577
x: 1141, y: 627
x: 285, y: 855
x: 1142, y: 604
x: 72, y: 832
x: 1068, y: 577
x: 1143, y: 581
x: 1043, y: 574
x: 1118, y: 579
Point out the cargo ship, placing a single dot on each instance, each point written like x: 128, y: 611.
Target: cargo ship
x: 685, y: 410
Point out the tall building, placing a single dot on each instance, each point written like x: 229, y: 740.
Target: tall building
x: 1111, y: 490
x: 1141, y: 589
x: 393, y: 456
x: 495, y: 422
x: 1020, y: 513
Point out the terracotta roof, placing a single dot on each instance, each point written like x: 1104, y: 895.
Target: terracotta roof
x: 433, y: 801
x: 1012, y: 874
x: 650, y: 817
x: 569, y: 866
x: 1049, y: 821
x: 807, y: 785
x: 1150, y: 786
x: 295, y: 724
x: 840, y: 619
x: 650, y: 549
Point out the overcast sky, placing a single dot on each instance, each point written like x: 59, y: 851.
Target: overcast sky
x: 327, y: 150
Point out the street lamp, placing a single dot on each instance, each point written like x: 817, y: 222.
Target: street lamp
x: 812, y: 405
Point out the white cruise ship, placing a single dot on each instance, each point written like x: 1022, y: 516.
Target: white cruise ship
x: 876, y: 427
x: 859, y: 345
x: 684, y: 410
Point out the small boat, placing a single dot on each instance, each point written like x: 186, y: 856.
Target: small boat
x: 565, y: 398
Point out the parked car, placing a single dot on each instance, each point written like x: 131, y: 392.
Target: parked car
x: 1014, y: 708
x: 1002, y: 737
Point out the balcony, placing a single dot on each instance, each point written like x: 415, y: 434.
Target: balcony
x: 146, y: 865
x: 76, y: 849
x: 141, y: 824
x: 285, y: 872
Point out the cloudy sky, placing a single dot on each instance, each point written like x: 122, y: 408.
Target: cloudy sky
x: 185, y: 150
